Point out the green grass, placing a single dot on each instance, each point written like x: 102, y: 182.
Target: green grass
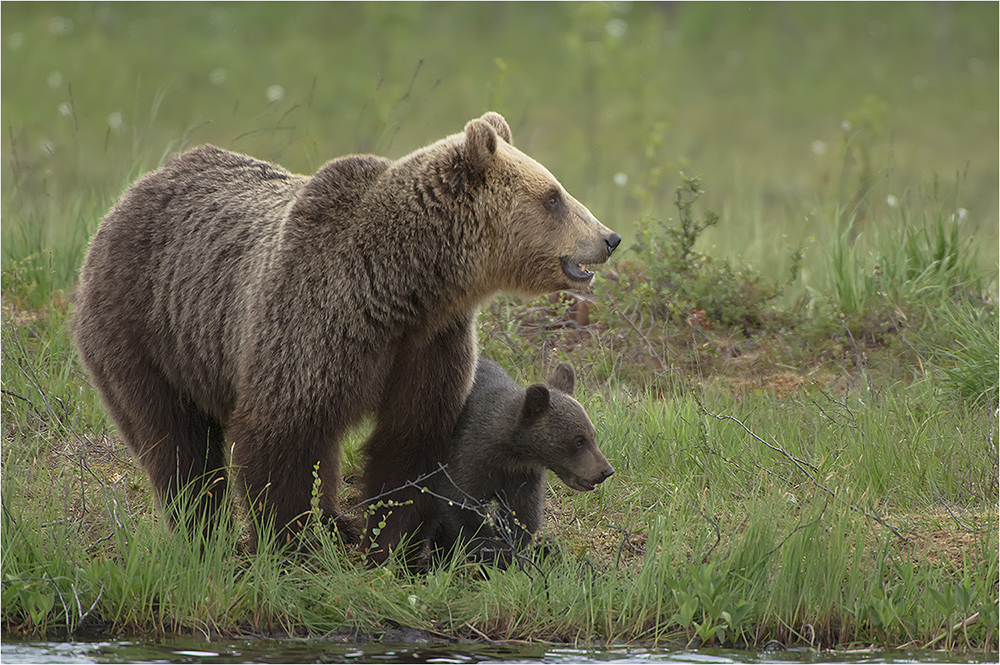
x: 729, y: 520
x: 813, y: 461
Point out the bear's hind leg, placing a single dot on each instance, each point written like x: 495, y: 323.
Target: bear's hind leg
x: 181, y: 448
x: 273, y: 460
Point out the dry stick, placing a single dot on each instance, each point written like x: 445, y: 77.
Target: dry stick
x: 800, y: 464
x: 796, y: 530
x: 38, y: 413
x: 478, y: 632
x: 907, y: 343
x: 857, y: 352
x: 649, y: 344
x: 93, y: 605
x: 62, y: 601
x: 795, y: 460
x: 955, y: 517
x: 81, y: 439
x: 468, y: 503
x: 715, y: 527
x: 971, y: 620
x: 843, y: 405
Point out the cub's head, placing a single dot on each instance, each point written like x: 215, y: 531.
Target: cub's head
x: 542, y: 238
x: 558, y: 433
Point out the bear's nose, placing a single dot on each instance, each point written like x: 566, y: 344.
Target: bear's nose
x: 607, y: 473
x: 612, y: 242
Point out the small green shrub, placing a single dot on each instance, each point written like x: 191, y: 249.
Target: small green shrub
x: 969, y: 362
x: 663, y: 275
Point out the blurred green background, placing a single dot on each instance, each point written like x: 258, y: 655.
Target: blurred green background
x: 789, y: 112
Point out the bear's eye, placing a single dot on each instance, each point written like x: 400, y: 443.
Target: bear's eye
x: 552, y: 201
x: 579, y: 443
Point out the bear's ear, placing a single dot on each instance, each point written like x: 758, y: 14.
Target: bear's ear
x: 499, y: 124
x: 480, y: 144
x: 536, y: 401
x: 563, y: 378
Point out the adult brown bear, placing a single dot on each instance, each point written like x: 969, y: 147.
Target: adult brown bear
x: 231, y: 309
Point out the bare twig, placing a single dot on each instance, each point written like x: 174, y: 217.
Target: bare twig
x: 907, y: 343
x: 478, y: 632
x: 961, y: 625
x: 958, y: 520
x: 649, y: 345
x: 715, y: 527
x: 850, y: 414
x: 801, y: 465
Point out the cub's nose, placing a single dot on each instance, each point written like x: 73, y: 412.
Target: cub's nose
x: 606, y: 473
x: 612, y: 243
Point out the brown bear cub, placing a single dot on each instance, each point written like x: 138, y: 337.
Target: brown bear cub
x: 506, y: 438
x: 238, y: 318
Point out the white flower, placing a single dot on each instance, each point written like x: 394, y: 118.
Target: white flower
x: 621, y: 179
x: 65, y: 110
x: 891, y: 201
x: 818, y: 147
x: 275, y: 93
x: 60, y: 26
x: 116, y: 122
x: 846, y: 125
x: 616, y: 28
x: 15, y: 40
x: 878, y: 29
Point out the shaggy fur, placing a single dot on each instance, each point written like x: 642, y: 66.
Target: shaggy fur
x: 506, y: 438
x: 232, y: 312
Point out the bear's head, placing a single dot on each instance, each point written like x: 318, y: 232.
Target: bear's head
x: 559, y: 435
x: 545, y: 238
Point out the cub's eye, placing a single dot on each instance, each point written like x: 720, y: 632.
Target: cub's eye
x: 579, y: 443
x: 552, y: 201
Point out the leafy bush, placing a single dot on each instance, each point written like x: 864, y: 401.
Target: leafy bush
x: 969, y: 364
x: 667, y: 278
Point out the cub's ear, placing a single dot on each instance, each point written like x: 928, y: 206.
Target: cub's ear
x: 499, y: 124
x: 536, y: 401
x: 563, y: 378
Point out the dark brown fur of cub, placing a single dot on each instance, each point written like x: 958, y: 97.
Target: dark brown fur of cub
x: 506, y: 438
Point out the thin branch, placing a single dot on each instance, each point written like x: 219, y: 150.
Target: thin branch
x: 649, y: 345
x: 801, y: 466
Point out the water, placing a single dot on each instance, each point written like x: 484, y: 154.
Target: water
x: 189, y: 650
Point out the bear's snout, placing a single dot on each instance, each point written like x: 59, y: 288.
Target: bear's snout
x: 612, y: 242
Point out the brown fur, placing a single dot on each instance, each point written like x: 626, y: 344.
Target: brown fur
x: 506, y: 438
x: 228, y: 306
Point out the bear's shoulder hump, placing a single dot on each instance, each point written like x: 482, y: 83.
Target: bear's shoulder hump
x: 343, y: 181
x: 352, y: 171
x: 208, y: 158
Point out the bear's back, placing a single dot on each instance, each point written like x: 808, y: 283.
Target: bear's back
x: 193, y: 237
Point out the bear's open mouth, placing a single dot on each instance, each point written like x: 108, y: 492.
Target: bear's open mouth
x: 581, y: 485
x: 575, y: 271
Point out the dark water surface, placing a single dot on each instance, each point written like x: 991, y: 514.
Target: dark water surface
x: 187, y: 650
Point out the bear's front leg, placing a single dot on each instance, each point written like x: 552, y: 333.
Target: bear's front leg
x: 273, y: 456
x: 423, y: 396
